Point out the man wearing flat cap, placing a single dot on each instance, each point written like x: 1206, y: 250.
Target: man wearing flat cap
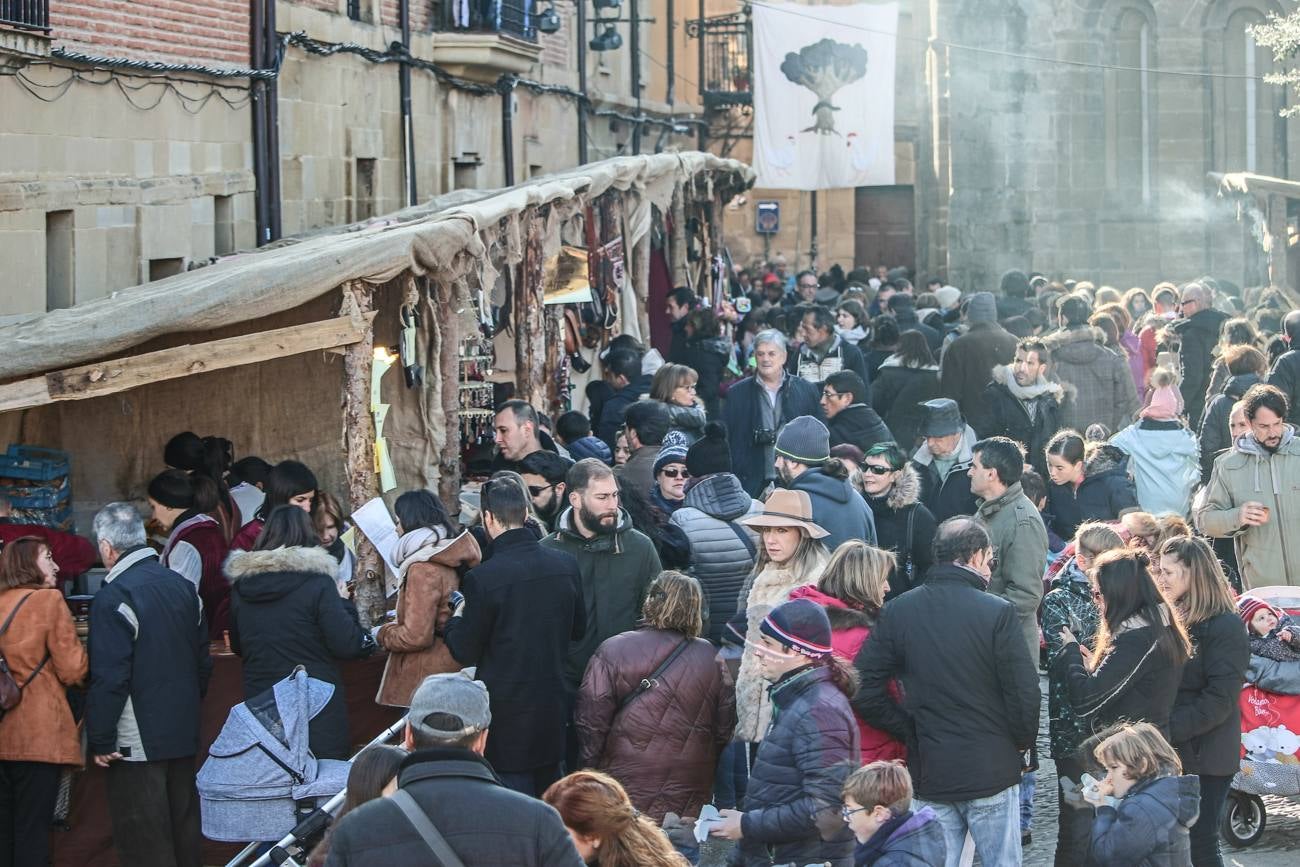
x: 944, y: 460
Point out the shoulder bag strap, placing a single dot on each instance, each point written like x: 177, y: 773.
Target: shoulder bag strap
x: 5, y: 628
x: 426, y: 829
x: 10, y: 618
x: 648, y: 683
x: 744, y: 538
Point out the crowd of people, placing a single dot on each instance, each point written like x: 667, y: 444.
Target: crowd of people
x: 787, y: 581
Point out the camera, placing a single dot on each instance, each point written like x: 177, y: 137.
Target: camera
x: 764, y: 437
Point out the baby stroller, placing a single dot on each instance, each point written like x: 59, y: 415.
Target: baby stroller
x: 1270, y: 735
x: 260, y: 778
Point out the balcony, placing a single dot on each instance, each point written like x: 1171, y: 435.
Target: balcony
x: 481, y: 39
x: 24, y: 31
x: 726, y: 49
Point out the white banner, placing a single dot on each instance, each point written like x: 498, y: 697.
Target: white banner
x: 824, y: 95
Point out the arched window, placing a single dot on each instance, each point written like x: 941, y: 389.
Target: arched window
x: 1251, y: 135
x: 1129, y: 124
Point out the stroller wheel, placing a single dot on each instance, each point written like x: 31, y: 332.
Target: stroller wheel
x: 1243, y: 820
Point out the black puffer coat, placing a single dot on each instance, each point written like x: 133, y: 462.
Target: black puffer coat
x: 1105, y: 493
x: 1216, y: 435
x: 1205, y: 725
x: 1197, y: 335
x: 792, y: 808
x: 688, y: 716
x: 893, y: 512
x: 1149, y: 827
x: 285, y: 611
x: 708, y: 357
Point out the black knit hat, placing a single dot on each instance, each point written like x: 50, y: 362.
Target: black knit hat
x: 800, y: 625
x: 711, y: 454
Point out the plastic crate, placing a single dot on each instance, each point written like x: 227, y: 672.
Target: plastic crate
x: 58, y: 518
x: 37, y: 496
x: 34, y: 463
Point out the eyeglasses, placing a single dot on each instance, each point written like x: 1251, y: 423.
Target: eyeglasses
x: 673, y: 473
x: 535, y: 491
x: 877, y: 470
x: 830, y: 395
x: 847, y: 813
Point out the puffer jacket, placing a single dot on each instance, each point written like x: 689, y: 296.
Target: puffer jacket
x: 664, y: 744
x: 792, y: 807
x: 1249, y: 473
x: 1165, y: 459
x: 1149, y: 826
x: 720, y: 560
x: 893, y: 512
x: 837, y: 508
x: 1216, y: 433
x: 913, y: 839
x: 1197, y: 337
x: 770, y: 588
x: 1205, y: 724
x: 850, y: 629
x: 897, y: 395
x: 413, y: 640
x: 1105, y: 493
x: 687, y: 420
x: 1068, y: 605
x: 1101, y: 377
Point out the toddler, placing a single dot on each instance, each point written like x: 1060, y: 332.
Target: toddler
x: 1166, y: 401
x: 878, y: 810
x: 1272, y: 634
x: 1144, y: 806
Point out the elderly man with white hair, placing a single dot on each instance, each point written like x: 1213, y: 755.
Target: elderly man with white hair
x: 149, y: 667
x: 758, y: 406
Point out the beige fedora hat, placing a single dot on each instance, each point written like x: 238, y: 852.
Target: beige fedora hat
x: 786, y: 509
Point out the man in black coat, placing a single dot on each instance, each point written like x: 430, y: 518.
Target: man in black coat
x: 1286, y: 370
x: 1198, y: 334
x: 448, y: 780
x: 759, y: 406
x: 1021, y: 403
x: 972, y: 693
x: 521, y: 610
x: 849, y: 417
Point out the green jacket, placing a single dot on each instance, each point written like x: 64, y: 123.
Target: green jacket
x: 1248, y: 473
x: 1020, y: 543
x: 616, y: 571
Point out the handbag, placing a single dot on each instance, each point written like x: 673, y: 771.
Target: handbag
x: 11, y: 692
x: 428, y: 831
x: 908, y: 567
x: 649, y: 683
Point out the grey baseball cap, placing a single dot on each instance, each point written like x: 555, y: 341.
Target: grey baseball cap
x: 454, y: 694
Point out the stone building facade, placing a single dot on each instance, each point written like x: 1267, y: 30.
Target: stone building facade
x: 109, y: 179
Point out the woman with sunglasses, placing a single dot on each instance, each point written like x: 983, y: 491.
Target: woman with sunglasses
x: 903, y: 523
x: 1205, y: 725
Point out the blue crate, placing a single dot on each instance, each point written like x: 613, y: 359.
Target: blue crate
x: 34, y: 463
x: 36, y: 497
x: 58, y: 518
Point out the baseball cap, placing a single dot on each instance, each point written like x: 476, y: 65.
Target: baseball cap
x: 456, y: 695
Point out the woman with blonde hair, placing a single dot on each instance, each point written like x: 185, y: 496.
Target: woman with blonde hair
x: 852, y: 591
x: 1205, y: 723
x: 606, y: 829
x: 654, y: 692
x: 790, y: 554
x: 674, y: 385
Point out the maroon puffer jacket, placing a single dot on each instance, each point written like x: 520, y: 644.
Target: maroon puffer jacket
x: 663, y: 746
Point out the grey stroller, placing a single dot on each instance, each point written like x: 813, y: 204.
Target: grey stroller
x: 260, y: 778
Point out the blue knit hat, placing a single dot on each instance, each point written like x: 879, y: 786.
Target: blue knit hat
x: 800, y: 625
x: 590, y: 447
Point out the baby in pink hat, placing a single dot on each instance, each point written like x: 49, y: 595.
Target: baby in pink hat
x: 1166, y: 402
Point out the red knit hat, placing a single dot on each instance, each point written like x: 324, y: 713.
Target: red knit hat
x: 1249, y: 606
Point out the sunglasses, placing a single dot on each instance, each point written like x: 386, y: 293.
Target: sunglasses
x: 877, y: 470
x: 674, y: 473
x: 537, y: 492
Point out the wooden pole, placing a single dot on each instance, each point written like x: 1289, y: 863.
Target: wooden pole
x: 678, y: 237
x: 359, y: 448
x: 447, y: 329
x: 530, y: 328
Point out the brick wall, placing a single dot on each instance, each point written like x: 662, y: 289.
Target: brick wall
x: 423, y: 14
x: 197, y: 31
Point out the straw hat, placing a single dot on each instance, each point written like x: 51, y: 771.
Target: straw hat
x: 786, y: 509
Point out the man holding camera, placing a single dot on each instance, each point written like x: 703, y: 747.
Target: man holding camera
x: 759, y: 406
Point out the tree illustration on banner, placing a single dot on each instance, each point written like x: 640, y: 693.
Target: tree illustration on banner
x: 824, y: 68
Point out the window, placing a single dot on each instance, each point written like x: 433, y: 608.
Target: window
x: 223, y: 225
x: 363, y: 205
x: 465, y: 175
x: 1128, y: 107
x: 1249, y: 134
x: 60, y: 263
x: 160, y: 268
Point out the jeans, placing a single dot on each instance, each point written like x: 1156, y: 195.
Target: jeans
x: 28, y: 791
x: 1028, y: 785
x: 993, y: 822
x: 155, y: 811
x: 1205, y: 833
x: 1073, y: 824
x: 731, y: 778
x: 531, y: 783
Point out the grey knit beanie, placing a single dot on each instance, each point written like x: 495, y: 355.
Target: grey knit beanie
x: 982, y: 308
x: 806, y: 440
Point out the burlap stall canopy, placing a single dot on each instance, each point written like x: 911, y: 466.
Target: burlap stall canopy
x: 443, y: 239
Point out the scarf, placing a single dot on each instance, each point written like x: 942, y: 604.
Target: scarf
x: 417, y: 546
x: 854, y: 335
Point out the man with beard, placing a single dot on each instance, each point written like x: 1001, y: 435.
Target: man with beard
x: 616, y: 562
x: 1022, y: 404
x: 1254, y: 493
x: 544, y: 473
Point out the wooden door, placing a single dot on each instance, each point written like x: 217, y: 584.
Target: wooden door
x: 884, y: 231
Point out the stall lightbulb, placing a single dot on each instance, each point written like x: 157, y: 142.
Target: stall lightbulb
x: 548, y: 20
x: 606, y: 4
x: 608, y: 40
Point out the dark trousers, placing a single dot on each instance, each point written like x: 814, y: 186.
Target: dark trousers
x: 1205, y: 833
x: 1074, y: 826
x: 155, y: 811
x: 531, y: 783
x: 28, y: 791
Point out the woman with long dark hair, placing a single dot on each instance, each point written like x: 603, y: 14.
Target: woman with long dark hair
x: 906, y: 379
x: 373, y: 775
x: 285, y: 611
x: 1089, y: 482
x: 183, y: 504
x: 1205, y: 725
x: 211, y: 457
x: 289, y: 483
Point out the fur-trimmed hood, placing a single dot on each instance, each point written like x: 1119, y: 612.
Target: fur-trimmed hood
x: 265, y: 576
x: 1079, y: 345
x: 905, y: 492
x: 1105, y: 458
x: 1004, y: 375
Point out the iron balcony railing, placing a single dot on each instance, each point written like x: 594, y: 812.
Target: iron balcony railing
x: 516, y: 18
x: 25, y: 14
x: 726, y: 51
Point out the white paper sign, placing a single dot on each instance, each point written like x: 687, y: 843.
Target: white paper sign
x: 373, y: 520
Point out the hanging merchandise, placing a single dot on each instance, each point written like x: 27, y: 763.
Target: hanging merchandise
x: 407, y: 346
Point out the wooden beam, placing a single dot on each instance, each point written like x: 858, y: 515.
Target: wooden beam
x: 122, y: 374
x: 359, y: 451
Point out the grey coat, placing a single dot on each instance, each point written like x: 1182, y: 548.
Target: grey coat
x: 720, y: 560
x: 1102, y: 379
x: 1017, y: 533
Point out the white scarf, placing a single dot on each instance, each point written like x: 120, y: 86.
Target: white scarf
x: 417, y: 546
